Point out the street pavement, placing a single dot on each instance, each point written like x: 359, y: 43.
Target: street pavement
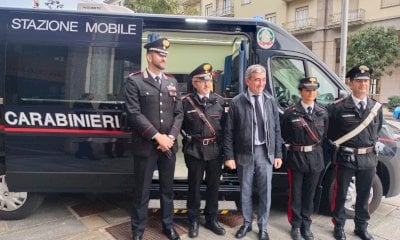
x: 96, y: 217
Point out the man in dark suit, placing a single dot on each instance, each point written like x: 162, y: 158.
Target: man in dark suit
x: 155, y: 113
x: 253, y: 144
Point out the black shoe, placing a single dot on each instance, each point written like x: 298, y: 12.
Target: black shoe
x: 339, y: 233
x: 307, y: 234
x: 263, y: 235
x: 295, y: 233
x: 243, y: 230
x: 363, y: 234
x: 171, y: 234
x: 137, y: 236
x: 215, y: 227
x: 194, y: 229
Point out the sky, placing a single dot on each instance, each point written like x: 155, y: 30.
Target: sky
x: 68, y: 4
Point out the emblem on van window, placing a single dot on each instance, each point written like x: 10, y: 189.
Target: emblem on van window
x: 265, y: 38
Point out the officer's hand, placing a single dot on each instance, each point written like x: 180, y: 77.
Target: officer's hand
x: 164, y: 142
x: 277, y: 163
x: 231, y: 164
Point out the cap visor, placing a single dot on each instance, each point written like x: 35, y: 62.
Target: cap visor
x: 205, y: 76
x: 362, y: 77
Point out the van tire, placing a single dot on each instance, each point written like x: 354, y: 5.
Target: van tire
x: 16, y: 205
x: 375, y: 199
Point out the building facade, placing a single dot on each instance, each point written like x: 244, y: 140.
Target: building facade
x: 317, y: 24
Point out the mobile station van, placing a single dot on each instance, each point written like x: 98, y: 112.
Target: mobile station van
x: 63, y: 123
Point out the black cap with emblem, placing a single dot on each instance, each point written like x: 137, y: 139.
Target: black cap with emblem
x: 203, y: 72
x: 309, y: 83
x: 159, y: 45
x: 360, y: 72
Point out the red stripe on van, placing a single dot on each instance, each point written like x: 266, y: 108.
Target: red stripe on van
x: 61, y: 130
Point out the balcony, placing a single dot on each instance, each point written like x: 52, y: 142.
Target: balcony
x: 224, y: 12
x: 301, y: 26
x: 355, y: 17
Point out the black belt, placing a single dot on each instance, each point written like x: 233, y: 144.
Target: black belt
x: 205, y: 141
x: 358, y: 151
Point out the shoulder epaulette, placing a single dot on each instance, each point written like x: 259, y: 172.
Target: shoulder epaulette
x: 291, y: 107
x: 185, y: 96
x: 169, y: 75
x: 338, y: 100
x: 218, y: 96
x: 321, y: 106
x: 135, y: 73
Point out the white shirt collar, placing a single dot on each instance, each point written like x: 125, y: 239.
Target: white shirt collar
x: 357, y: 101
x: 305, y: 106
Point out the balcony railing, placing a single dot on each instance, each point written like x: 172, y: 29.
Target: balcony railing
x: 301, y: 26
x: 355, y: 17
x: 223, y: 12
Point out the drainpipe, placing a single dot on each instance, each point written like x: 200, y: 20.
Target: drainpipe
x: 343, y: 41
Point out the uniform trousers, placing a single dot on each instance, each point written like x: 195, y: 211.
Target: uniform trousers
x: 302, y: 188
x: 196, y: 168
x: 364, y: 178
x: 143, y: 174
x: 260, y: 168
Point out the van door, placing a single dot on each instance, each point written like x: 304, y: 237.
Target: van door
x: 63, y: 113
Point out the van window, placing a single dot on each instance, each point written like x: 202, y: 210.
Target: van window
x: 327, y: 91
x: 287, y: 72
x: 58, y: 75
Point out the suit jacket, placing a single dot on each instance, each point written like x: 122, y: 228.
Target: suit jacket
x: 239, y: 129
x: 152, y: 108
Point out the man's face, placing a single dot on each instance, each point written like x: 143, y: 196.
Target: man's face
x: 256, y: 82
x: 202, y: 86
x: 157, y: 60
x: 308, y: 95
x: 360, y: 87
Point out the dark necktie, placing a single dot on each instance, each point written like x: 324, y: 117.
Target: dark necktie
x: 362, y: 108
x: 157, y: 78
x: 260, y: 120
x: 309, y: 110
x: 204, y: 101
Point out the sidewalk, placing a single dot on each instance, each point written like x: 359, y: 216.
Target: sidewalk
x: 106, y: 217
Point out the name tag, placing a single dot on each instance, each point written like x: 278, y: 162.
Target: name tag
x: 296, y: 120
x: 348, y: 115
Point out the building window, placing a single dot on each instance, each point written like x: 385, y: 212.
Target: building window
x: 246, y: 2
x: 270, y: 17
x: 301, y: 17
x: 390, y: 3
x: 209, y: 10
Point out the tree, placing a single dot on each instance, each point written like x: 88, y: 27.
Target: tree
x: 163, y: 6
x: 375, y: 46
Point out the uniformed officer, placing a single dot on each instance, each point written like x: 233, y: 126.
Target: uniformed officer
x: 304, y: 128
x: 354, y: 137
x: 202, y: 131
x: 155, y: 113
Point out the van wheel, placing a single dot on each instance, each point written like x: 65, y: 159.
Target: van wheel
x: 374, y: 200
x: 16, y: 205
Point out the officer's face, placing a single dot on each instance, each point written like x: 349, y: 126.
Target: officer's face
x: 308, y: 95
x: 157, y: 60
x: 360, y: 87
x: 202, y: 86
x: 256, y: 83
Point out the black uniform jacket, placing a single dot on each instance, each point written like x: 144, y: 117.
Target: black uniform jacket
x: 194, y: 128
x: 152, y: 108
x: 294, y: 133
x: 344, y: 116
